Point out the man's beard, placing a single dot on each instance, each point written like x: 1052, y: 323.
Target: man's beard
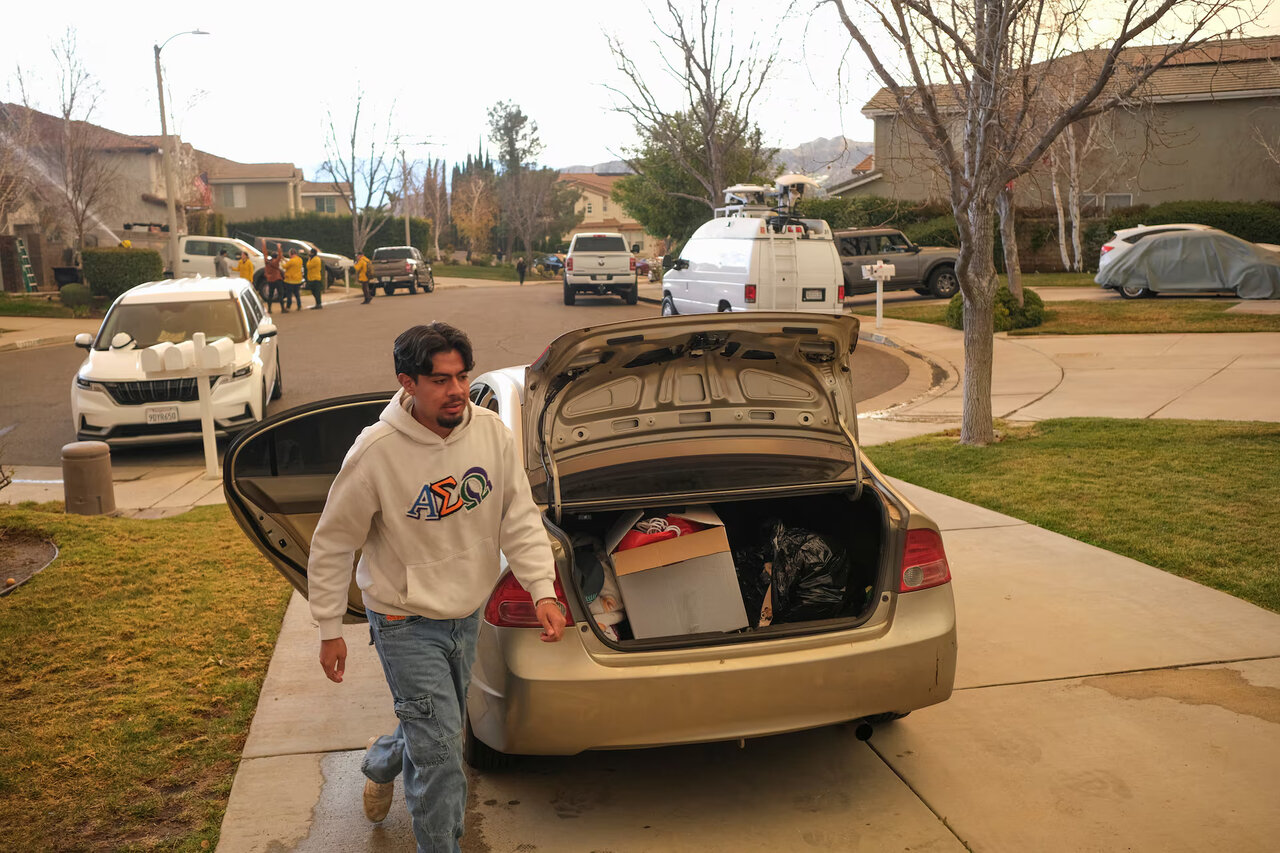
x: 450, y: 421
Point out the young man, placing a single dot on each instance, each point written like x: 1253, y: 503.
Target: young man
x: 315, y: 276
x: 292, y: 274
x: 428, y: 495
x: 520, y: 268
x: 273, y: 282
x: 222, y: 264
x: 362, y: 276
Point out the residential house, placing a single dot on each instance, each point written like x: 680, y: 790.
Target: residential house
x: 1196, y: 131
x: 324, y: 197
x: 602, y: 213
x: 246, y: 191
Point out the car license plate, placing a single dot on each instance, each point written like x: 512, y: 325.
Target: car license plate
x: 815, y: 294
x: 162, y: 415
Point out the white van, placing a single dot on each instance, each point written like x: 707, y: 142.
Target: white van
x: 756, y: 261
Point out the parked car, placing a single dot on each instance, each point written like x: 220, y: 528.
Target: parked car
x: 755, y: 261
x: 1188, y: 261
x: 740, y: 413
x: 928, y: 270
x: 196, y: 255
x: 1126, y: 238
x: 113, y: 400
x: 600, y: 264
x: 401, y: 266
x: 550, y: 264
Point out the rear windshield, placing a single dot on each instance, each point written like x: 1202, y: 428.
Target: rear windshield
x: 150, y: 323
x: 599, y: 244
x: 396, y: 254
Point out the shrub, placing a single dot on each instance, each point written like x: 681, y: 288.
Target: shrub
x: 333, y: 233
x: 110, y: 272
x: 870, y: 211
x: 1257, y: 222
x: 939, y: 231
x: 1008, y: 313
x: 203, y: 222
x: 75, y: 296
x: 479, y: 259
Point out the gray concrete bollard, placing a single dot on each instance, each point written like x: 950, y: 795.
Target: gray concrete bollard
x: 86, y: 478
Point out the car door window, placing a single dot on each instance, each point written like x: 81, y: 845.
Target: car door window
x: 199, y: 247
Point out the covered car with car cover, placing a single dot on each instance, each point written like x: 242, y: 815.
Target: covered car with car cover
x: 1194, y: 262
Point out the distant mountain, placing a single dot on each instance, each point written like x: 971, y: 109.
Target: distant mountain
x: 826, y: 160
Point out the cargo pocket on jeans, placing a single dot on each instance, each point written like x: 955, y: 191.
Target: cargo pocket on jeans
x: 422, y: 732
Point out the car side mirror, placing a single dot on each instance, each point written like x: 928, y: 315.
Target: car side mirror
x: 680, y: 264
x: 84, y: 340
x: 267, y: 329
x: 915, y: 250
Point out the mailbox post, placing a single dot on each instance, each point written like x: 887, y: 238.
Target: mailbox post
x: 881, y: 272
x: 199, y: 360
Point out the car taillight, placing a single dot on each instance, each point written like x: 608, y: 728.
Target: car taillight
x: 408, y: 267
x: 568, y: 264
x: 633, y: 264
x: 510, y: 606
x: 840, y: 293
x: 750, y: 294
x: 924, y: 562
x: 1107, y: 247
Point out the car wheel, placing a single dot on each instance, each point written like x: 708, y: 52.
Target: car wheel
x: 569, y: 295
x: 479, y: 755
x: 277, y: 390
x: 943, y: 283
x: 668, y: 306
x: 1134, y: 292
x: 723, y: 307
x: 388, y: 289
x: 632, y: 296
x: 431, y: 283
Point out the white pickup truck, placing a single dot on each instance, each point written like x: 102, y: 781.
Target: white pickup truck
x: 600, y: 264
x: 196, y: 254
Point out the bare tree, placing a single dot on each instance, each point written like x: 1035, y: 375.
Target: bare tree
x: 968, y: 78
x: 368, y: 179
x: 16, y: 180
x: 435, y: 199
x: 475, y: 210
x: 709, y: 132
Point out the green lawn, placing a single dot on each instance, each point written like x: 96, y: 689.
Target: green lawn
x: 133, y: 665
x: 26, y: 306
x: 498, y: 273
x: 1113, y: 317
x: 1194, y: 498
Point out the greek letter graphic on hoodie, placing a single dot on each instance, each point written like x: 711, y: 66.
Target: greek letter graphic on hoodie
x: 429, y: 516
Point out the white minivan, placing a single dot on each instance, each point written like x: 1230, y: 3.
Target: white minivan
x: 758, y: 262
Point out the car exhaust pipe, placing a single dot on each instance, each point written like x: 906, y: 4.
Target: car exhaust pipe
x: 862, y: 730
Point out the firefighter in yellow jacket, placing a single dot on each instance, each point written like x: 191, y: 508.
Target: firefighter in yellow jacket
x: 315, y: 276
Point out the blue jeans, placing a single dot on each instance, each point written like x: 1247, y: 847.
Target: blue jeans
x: 428, y: 667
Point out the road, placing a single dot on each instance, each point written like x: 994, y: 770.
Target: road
x: 346, y: 349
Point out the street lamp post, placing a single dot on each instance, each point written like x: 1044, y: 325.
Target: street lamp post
x: 170, y: 202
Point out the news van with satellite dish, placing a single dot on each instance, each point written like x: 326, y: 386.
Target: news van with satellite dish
x: 756, y: 255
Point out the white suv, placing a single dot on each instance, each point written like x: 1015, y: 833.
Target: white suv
x: 113, y: 400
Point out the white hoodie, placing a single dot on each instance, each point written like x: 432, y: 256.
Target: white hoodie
x: 430, y: 514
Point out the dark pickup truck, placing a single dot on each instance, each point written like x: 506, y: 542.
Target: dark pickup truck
x: 928, y: 270
x: 401, y: 266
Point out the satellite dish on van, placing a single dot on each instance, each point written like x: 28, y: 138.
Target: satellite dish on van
x: 792, y: 188
x: 745, y: 194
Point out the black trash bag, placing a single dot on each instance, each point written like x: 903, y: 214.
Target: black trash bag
x: 753, y: 580
x: 810, y: 573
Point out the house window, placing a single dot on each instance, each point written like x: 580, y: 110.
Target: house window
x: 604, y: 206
x: 228, y: 195
x: 1088, y: 201
x: 326, y: 204
x: 1115, y: 201
x: 588, y: 207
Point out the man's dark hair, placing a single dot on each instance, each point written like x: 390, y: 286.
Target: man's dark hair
x: 223, y: 252
x: 415, y: 347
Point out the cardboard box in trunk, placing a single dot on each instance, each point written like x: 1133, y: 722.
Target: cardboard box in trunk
x: 685, y: 585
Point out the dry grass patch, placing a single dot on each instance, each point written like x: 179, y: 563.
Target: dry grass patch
x: 134, y: 664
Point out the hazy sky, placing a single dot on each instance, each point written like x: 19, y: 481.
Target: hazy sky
x: 257, y: 88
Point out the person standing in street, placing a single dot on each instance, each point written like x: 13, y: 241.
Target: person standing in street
x: 362, y: 276
x: 244, y: 267
x: 427, y: 496
x: 222, y: 265
x: 315, y: 276
x: 273, y: 282
x: 292, y: 274
x: 520, y: 270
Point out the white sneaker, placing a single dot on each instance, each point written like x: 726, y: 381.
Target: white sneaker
x: 377, y: 795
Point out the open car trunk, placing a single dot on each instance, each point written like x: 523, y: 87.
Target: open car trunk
x: 794, y: 564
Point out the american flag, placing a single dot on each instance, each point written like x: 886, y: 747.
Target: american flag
x: 203, y: 190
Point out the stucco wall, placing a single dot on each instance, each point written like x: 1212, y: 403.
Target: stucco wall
x: 262, y: 200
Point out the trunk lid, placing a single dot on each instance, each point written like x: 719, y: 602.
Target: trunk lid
x: 694, y: 406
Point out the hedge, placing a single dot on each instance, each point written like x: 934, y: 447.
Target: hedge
x: 1257, y: 222
x: 75, y: 296
x: 1008, y: 313
x: 870, y: 211
x: 333, y: 233
x: 110, y: 272
x: 204, y: 223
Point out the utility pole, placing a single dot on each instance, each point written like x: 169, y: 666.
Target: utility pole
x: 404, y: 195
x: 170, y: 203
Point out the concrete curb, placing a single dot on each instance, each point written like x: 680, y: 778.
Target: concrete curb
x: 37, y: 342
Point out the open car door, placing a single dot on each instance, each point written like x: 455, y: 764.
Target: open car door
x: 277, y: 473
